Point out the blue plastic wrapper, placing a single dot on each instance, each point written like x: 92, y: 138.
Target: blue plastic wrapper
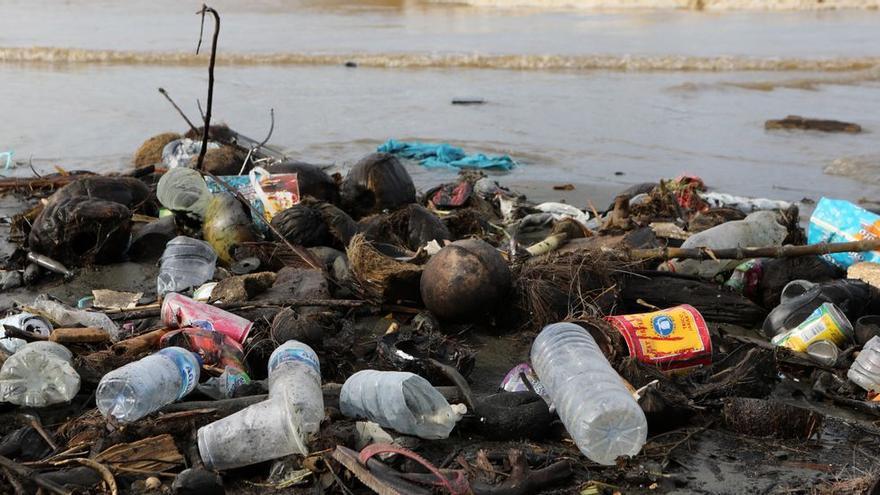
x: 837, y: 220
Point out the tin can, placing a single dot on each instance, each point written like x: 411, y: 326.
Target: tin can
x: 825, y: 323
x: 673, y: 339
x: 180, y: 311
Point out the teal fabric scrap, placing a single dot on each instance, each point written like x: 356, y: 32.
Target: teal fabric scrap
x: 445, y: 156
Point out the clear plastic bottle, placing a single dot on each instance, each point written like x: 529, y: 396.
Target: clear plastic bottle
x: 404, y: 402
x: 759, y: 229
x: 865, y: 370
x: 142, y: 387
x: 39, y: 374
x: 278, y: 426
x: 597, y: 409
x: 65, y: 316
x: 184, y: 190
x: 186, y: 263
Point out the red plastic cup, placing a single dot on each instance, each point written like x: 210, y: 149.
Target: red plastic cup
x: 180, y: 311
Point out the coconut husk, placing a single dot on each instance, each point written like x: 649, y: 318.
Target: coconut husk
x: 563, y: 286
x: 377, y: 182
x: 225, y: 160
x: 411, y: 227
x: 127, y: 191
x: 150, y: 152
x: 769, y: 418
x: 273, y: 256
x: 81, y: 231
x: 380, y: 276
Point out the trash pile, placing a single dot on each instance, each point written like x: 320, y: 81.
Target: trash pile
x: 324, y: 334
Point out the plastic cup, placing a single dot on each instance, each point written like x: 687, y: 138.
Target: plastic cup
x: 264, y: 431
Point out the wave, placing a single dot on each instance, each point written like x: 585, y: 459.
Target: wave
x: 674, y: 4
x: 648, y: 63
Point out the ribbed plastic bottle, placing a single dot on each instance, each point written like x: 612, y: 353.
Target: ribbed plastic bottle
x: 865, y: 370
x: 277, y: 427
x: 404, y: 402
x: 39, y: 374
x: 186, y: 263
x: 142, y: 387
x: 759, y: 229
x: 597, y: 409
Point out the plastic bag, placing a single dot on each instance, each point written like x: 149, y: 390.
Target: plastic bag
x: 837, y: 220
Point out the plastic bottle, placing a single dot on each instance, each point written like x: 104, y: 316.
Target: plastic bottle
x: 759, y: 229
x: 276, y: 427
x: 184, y: 190
x: 65, y: 316
x: 865, y: 370
x: 142, y: 387
x: 39, y: 374
x: 186, y: 263
x: 404, y: 402
x: 23, y: 321
x: 597, y: 409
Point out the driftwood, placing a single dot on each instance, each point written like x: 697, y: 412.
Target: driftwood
x: 664, y: 290
x: 806, y: 124
x: 755, y: 252
x: 154, y: 310
x: 79, y: 335
x: 40, y: 183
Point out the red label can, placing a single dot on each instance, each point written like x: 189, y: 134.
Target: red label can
x: 180, y: 311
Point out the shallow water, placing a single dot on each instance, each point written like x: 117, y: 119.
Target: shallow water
x: 597, y: 98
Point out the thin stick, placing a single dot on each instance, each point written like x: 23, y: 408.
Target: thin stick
x: 298, y: 250
x: 168, y: 97
x: 756, y: 252
x: 32, y: 475
x: 213, y: 12
x: 19, y: 490
x: 261, y: 143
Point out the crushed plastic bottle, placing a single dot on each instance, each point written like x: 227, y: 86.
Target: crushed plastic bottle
x: 28, y: 322
x: 759, y: 229
x: 276, y: 427
x: 865, y: 370
x: 404, y: 402
x: 142, y: 387
x: 184, y: 190
x: 597, y: 409
x: 39, y: 374
x: 65, y: 316
x: 186, y: 263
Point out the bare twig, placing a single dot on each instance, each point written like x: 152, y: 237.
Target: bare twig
x: 206, y: 9
x: 32, y: 475
x: 16, y: 485
x: 168, y: 97
x: 254, y: 149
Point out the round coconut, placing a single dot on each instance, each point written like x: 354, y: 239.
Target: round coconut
x: 312, y: 181
x: 377, y: 182
x: 465, y: 280
x: 150, y: 152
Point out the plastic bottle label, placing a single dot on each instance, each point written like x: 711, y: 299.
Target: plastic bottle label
x: 189, y: 375
x: 234, y: 379
x: 300, y: 355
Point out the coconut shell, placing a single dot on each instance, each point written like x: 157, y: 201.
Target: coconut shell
x: 127, y: 191
x: 411, y: 227
x: 81, y: 231
x: 377, y: 182
x: 465, y: 280
x: 312, y: 180
x: 150, y: 152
